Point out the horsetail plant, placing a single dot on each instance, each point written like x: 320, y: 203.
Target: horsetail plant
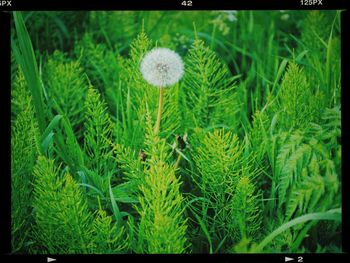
x: 162, y: 226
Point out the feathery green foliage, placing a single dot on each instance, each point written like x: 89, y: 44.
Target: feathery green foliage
x: 64, y: 223
x: 297, y: 101
x: 61, y: 213
x: 98, y: 61
x: 137, y: 94
x: 245, y: 209
x: 25, y: 132
x: 66, y: 88
x: 224, y: 177
x: 225, y: 162
x: 98, y: 133
x: 162, y: 228
x: 209, y: 89
x: 248, y: 155
x: 320, y: 39
x: 108, y: 239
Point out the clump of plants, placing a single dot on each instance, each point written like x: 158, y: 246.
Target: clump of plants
x: 177, y: 138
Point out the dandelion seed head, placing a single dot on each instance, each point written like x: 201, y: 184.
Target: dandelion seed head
x: 162, y: 67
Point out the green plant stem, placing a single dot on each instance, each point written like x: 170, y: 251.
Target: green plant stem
x: 177, y: 162
x: 160, y: 110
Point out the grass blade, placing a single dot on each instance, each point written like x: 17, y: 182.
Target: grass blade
x: 334, y: 214
x: 115, y: 208
x: 205, y: 231
x: 26, y: 59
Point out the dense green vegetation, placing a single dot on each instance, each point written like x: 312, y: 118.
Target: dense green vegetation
x: 247, y: 158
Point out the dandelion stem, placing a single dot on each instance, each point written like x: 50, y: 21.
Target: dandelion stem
x: 160, y: 110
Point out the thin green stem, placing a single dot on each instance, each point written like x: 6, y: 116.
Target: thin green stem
x: 160, y: 110
x: 177, y: 162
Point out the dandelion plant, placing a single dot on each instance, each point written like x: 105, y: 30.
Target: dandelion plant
x: 161, y: 67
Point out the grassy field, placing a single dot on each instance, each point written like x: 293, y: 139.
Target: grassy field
x: 241, y: 153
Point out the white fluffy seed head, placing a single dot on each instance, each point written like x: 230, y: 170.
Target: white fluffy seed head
x: 162, y: 67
